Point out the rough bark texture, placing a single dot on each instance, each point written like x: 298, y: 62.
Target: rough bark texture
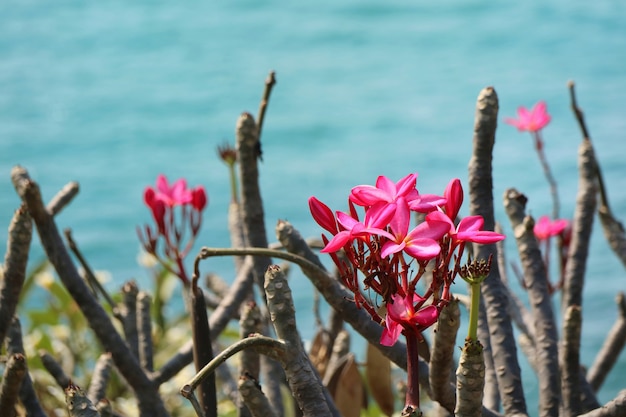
x: 144, y: 329
x: 301, y: 376
x: 249, y: 364
x: 504, y: 350
x: 14, y: 269
x: 586, y: 201
x: 470, y: 379
x: 100, y: 378
x: 442, y: 356
x: 202, y: 348
x: 54, y: 369
x: 254, y: 399
x: 14, y: 372
x: 570, y: 362
x: 78, y: 405
x: 537, y: 287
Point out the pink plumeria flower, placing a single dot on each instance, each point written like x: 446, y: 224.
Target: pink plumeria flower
x: 544, y: 228
x: 177, y: 194
x: 421, y: 243
x: 402, y: 313
x: 385, y: 191
x: 532, y: 121
x: 468, y: 230
x: 375, y: 220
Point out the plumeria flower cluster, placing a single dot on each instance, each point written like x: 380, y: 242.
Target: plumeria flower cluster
x: 381, y: 246
x: 177, y: 212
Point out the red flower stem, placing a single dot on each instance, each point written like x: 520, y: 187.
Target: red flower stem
x: 548, y: 174
x: 412, y: 369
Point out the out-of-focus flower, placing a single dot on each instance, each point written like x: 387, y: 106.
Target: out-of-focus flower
x: 545, y: 228
x: 530, y: 120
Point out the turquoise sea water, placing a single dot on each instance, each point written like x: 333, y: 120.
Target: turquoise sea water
x: 112, y: 93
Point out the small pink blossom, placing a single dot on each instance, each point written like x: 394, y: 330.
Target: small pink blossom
x: 177, y: 194
x: 402, y: 312
x: 544, y: 228
x: 532, y: 121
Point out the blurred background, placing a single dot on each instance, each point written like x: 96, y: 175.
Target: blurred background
x: 110, y: 94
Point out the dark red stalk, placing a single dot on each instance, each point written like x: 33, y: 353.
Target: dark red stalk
x: 412, y: 402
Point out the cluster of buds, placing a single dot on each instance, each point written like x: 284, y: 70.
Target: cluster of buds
x: 391, y: 257
x: 172, y: 225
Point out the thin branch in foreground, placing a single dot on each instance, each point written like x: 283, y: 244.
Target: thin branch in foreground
x: 254, y: 399
x: 63, y: 198
x: 100, y: 378
x: 270, y: 82
x: 54, y: 369
x: 14, y: 372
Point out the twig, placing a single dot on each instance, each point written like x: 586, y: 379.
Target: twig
x: 253, y: 397
x: 494, y: 296
x: 302, y: 378
x: 610, y: 351
x: 78, y: 404
x: 14, y: 372
x: 270, y: 81
x: 253, y: 225
x: 202, y: 348
x: 150, y: 402
x: 28, y: 397
x: 130, y: 291
x: 252, y: 214
x: 93, y: 282
x: 144, y: 329
x: 613, y: 228
x: 100, y: 378
x: 614, y: 408
x: 54, y: 369
x: 239, y: 291
x: 62, y: 198
x: 581, y: 227
x: 442, y: 357
x: 249, y: 364
x: 14, y: 268
x: 264, y: 344
x: 570, y: 362
x: 537, y: 286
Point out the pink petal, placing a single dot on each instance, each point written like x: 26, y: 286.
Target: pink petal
x: 423, y: 249
x: 482, y: 237
x: 391, y: 334
x: 367, y: 195
x: 425, y: 203
x: 345, y: 220
x: 337, y: 242
x: 406, y: 185
x: 400, y: 222
x: 380, y: 215
x: 391, y: 247
x: 470, y: 224
x: 385, y: 184
x: 162, y: 185
x: 427, y: 316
